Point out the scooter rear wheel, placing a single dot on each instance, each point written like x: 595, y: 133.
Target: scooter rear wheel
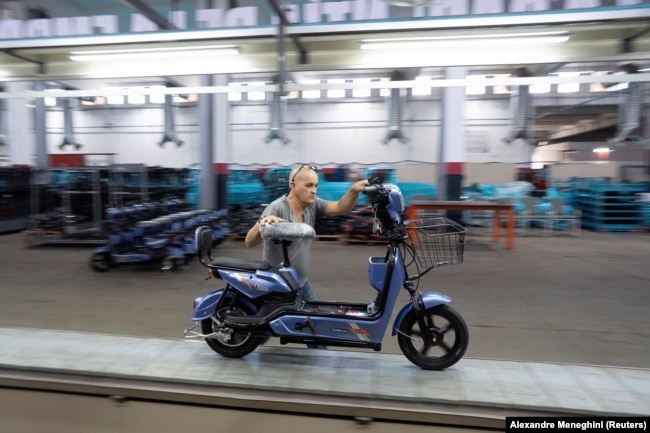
x: 448, y: 340
x: 100, y: 262
x: 229, y: 342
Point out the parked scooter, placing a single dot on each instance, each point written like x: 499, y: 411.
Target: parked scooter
x: 260, y: 301
x: 137, y: 246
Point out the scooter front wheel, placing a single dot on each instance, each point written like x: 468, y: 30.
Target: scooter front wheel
x: 226, y: 341
x: 447, y: 338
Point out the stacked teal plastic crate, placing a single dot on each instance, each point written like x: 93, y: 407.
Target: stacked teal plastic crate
x: 609, y: 206
x: 645, y: 206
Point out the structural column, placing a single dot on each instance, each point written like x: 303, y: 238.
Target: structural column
x: 220, y: 120
x: 213, y: 124
x: 19, y: 138
x: 452, y: 139
x: 208, y: 197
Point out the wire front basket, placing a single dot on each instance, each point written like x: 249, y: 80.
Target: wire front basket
x: 437, y: 241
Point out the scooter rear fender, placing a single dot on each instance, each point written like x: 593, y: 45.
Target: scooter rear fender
x: 204, y: 306
x: 429, y: 299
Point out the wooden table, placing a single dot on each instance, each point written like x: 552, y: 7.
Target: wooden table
x: 466, y: 205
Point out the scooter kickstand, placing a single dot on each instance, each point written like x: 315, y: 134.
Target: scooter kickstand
x: 306, y: 324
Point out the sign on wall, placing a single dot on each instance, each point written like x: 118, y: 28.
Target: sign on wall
x: 305, y: 13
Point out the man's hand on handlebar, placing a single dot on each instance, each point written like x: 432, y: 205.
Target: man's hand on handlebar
x: 374, y: 186
x: 270, y: 219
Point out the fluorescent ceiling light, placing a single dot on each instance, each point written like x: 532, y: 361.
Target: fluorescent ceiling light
x: 153, y: 53
x: 601, y: 150
x: 466, y: 41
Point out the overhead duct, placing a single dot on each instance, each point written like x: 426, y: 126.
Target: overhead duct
x: 629, y: 112
x: 277, y: 99
x: 395, y: 111
x: 277, y: 109
x: 169, y: 135
x: 520, y: 109
x: 68, y: 126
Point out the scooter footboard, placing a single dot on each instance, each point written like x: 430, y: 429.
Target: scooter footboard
x: 429, y: 299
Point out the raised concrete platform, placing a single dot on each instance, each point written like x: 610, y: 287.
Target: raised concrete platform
x: 480, y: 392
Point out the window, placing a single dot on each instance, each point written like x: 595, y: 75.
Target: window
x: 115, y: 99
x: 424, y: 90
x: 157, y: 98
x: 256, y: 96
x: 540, y: 88
x: 136, y: 98
x: 568, y: 87
x: 475, y: 90
x: 234, y: 96
x: 361, y: 92
x: 311, y: 94
x: 336, y: 93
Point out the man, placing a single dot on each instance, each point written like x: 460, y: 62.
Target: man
x: 300, y: 205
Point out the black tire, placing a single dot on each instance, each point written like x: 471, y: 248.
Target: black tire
x: 101, y: 262
x: 169, y: 263
x: 231, y: 343
x: 449, y: 338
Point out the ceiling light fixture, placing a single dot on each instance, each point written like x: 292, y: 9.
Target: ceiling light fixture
x: 467, y: 40
x: 153, y: 53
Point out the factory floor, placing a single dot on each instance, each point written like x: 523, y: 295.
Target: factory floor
x: 563, y: 301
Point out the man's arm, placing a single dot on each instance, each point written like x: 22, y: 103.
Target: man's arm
x: 254, y: 235
x: 347, y: 202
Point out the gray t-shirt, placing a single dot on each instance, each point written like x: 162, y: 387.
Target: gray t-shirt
x: 298, y: 251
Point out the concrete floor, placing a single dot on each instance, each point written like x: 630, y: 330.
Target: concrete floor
x: 564, y: 299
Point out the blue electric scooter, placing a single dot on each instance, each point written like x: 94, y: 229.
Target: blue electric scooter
x: 260, y: 301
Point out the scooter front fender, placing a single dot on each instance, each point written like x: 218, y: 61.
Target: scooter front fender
x: 204, y: 306
x: 429, y: 299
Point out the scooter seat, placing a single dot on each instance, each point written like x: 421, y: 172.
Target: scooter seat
x: 240, y: 264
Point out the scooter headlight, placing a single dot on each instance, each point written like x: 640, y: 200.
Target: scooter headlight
x: 395, y: 206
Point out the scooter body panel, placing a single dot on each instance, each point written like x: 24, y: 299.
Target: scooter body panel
x: 353, y: 329
x: 429, y: 299
x: 204, y: 306
x: 255, y: 284
x: 345, y: 325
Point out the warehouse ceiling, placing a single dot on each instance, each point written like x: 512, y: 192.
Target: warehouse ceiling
x: 598, y: 44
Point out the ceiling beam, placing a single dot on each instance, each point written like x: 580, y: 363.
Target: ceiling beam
x: 146, y: 10
x: 284, y: 21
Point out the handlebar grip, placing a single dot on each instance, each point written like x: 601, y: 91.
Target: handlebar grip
x: 372, y: 189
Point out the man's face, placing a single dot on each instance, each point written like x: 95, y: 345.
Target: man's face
x: 304, y: 186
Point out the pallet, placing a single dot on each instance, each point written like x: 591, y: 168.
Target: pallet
x: 604, y: 228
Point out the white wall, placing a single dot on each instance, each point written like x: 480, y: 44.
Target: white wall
x: 131, y: 134
x: 342, y: 132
